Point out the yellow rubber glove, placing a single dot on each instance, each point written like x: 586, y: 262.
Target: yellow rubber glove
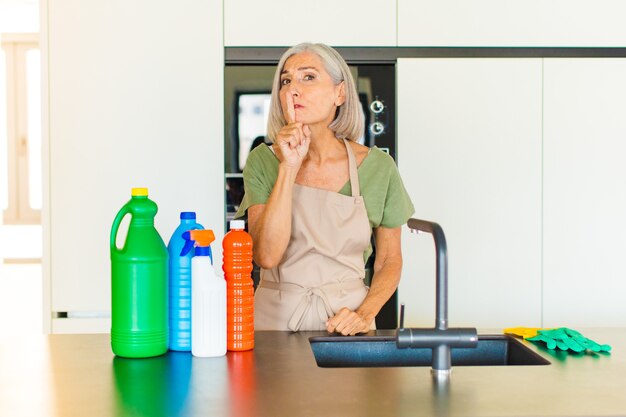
x: 524, y: 332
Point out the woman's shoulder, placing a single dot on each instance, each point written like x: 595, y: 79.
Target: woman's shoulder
x: 361, y: 152
x: 261, y: 151
x: 261, y: 154
x: 378, y: 159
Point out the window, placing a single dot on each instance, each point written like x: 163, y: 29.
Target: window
x: 254, y: 109
x: 20, y: 125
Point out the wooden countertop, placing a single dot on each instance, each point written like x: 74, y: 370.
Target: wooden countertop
x: 78, y: 375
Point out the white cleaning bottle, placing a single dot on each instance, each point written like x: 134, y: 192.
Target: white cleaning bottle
x: 208, y: 298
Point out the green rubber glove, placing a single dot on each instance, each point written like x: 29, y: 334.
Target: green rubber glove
x: 568, y: 339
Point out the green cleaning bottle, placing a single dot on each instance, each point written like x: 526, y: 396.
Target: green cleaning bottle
x: 139, y: 327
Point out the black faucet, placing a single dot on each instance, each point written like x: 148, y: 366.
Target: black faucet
x: 440, y: 339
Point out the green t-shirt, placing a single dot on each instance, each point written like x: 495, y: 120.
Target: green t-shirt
x: 386, y: 200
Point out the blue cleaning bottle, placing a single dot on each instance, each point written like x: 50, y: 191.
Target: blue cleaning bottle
x: 180, y: 284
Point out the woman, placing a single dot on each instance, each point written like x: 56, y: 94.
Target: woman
x: 313, y: 199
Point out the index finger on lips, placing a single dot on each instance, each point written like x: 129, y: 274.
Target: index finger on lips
x: 291, y: 111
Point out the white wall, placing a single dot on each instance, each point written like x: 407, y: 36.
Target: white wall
x: 139, y: 84
x: 135, y: 99
x: 469, y: 146
x: 584, y: 192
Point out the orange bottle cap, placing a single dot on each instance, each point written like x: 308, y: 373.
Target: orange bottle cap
x: 202, y: 237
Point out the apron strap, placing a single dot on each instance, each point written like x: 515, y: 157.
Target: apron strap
x: 324, y: 311
x: 354, y: 175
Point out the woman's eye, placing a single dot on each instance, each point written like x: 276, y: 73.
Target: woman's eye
x: 284, y: 81
x: 309, y: 77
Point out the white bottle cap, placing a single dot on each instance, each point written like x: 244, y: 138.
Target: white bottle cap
x: 237, y: 224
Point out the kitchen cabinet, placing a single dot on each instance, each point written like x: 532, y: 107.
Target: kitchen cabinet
x: 285, y: 23
x: 126, y: 106
x: 521, y: 162
x: 469, y: 152
x: 511, y: 23
x: 584, y: 192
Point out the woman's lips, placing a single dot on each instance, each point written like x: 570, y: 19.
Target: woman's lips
x: 298, y: 106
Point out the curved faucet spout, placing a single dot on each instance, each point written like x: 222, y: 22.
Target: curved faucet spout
x: 440, y: 339
x: 441, y: 253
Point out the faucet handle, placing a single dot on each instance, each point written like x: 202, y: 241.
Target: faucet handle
x: 402, y: 316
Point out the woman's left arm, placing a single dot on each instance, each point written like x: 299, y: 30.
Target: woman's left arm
x: 387, y: 270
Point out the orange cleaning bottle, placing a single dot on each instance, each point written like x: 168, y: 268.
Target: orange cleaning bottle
x: 237, y: 247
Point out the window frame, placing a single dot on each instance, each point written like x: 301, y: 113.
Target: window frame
x: 19, y: 210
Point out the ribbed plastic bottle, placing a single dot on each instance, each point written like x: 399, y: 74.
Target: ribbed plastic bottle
x: 237, y: 248
x: 138, y: 282
x: 180, y: 284
x: 208, y: 299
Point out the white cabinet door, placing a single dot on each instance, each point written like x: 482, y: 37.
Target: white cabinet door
x: 128, y: 106
x: 469, y: 151
x: 512, y: 23
x: 585, y: 192
x: 287, y: 23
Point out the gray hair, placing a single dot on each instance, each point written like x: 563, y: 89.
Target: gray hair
x: 349, y: 120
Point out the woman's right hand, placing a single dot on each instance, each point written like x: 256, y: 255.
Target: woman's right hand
x: 294, y: 138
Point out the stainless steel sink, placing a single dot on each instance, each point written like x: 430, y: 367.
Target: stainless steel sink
x: 382, y: 351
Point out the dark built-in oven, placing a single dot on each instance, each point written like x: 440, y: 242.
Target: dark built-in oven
x: 248, y: 76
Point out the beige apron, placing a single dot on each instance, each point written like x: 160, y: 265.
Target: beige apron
x: 322, y: 269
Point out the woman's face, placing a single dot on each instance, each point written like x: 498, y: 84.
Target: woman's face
x: 314, y: 95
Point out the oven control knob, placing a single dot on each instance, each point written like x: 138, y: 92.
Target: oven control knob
x: 377, y: 128
x: 377, y: 106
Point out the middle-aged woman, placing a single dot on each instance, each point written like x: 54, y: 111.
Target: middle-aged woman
x: 313, y: 198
